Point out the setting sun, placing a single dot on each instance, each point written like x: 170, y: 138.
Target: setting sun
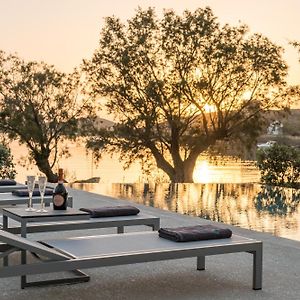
x: 201, y: 172
x: 209, y: 108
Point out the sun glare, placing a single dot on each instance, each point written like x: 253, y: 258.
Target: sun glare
x: 209, y: 108
x: 247, y: 95
x: 201, y: 172
x: 198, y: 72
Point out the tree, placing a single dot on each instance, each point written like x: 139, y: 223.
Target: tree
x: 40, y: 107
x: 296, y: 45
x: 7, y: 168
x: 179, y: 85
x: 279, y: 165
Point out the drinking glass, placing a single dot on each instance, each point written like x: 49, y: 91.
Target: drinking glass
x: 42, y: 188
x: 30, y: 186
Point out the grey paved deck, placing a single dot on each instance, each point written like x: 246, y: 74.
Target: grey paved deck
x: 226, y: 276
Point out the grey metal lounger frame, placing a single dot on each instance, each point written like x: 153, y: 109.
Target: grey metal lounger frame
x: 10, y: 188
x: 92, y: 223
x: 10, y: 199
x: 80, y: 253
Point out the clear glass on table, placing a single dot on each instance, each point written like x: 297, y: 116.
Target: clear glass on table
x: 30, y: 187
x: 42, y: 180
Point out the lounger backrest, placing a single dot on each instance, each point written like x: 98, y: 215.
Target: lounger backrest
x: 25, y: 244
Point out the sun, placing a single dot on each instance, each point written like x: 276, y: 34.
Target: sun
x: 209, y: 108
x: 201, y: 172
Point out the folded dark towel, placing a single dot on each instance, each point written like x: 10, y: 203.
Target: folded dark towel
x: 194, y: 233
x: 25, y: 193
x: 111, y: 211
x: 7, y: 182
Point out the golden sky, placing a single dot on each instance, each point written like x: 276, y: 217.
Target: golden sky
x: 63, y: 32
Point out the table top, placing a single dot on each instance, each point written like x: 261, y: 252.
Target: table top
x: 21, y: 213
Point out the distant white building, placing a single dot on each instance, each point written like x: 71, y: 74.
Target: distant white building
x: 266, y: 145
x: 275, y: 128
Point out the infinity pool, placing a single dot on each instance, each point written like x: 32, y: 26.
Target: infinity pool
x: 251, y: 206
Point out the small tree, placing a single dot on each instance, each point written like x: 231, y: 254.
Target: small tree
x: 279, y: 165
x: 277, y: 200
x: 40, y: 107
x: 7, y: 168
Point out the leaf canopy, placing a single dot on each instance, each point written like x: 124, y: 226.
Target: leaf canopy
x: 179, y: 84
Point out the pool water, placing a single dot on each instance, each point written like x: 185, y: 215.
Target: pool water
x: 248, y: 205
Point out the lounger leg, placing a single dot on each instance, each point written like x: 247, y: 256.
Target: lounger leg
x: 120, y: 229
x: 156, y: 225
x: 79, y: 278
x: 5, y: 261
x: 23, y: 254
x: 257, y: 268
x: 200, y: 263
x: 5, y: 227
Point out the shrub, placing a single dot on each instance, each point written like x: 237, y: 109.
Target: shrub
x: 279, y: 165
x: 7, y: 168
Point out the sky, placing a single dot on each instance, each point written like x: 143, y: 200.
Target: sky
x: 63, y: 32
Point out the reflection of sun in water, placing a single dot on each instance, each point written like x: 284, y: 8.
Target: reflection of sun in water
x: 202, y: 172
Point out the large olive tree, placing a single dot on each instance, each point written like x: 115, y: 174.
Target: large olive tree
x: 179, y: 84
x: 40, y: 107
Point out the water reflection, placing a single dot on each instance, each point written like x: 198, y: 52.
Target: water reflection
x: 81, y: 165
x: 273, y: 210
x: 277, y: 201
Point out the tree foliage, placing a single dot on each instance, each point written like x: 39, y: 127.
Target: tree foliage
x: 40, y: 108
x: 7, y: 168
x: 296, y: 44
x: 278, y: 201
x: 178, y: 85
x: 279, y: 165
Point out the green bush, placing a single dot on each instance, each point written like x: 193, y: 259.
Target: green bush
x: 7, y: 168
x: 279, y: 165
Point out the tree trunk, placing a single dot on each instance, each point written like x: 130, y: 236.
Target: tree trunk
x: 183, y: 175
x: 182, y: 171
x: 44, y: 166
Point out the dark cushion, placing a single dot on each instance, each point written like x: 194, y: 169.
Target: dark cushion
x: 111, y: 211
x: 36, y: 192
x: 7, y: 182
x: 194, y: 233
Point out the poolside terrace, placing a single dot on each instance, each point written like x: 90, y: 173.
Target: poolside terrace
x: 226, y: 276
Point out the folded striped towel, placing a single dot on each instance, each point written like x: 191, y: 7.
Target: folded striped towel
x: 111, y: 211
x: 194, y: 233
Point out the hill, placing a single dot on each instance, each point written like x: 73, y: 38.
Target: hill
x: 290, y: 131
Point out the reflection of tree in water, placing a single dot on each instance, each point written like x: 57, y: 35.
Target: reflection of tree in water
x: 245, y: 205
x: 277, y: 201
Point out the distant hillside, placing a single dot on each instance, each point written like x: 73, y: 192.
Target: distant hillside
x: 291, y: 128
x: 290, y: 121
x: 103, y: 123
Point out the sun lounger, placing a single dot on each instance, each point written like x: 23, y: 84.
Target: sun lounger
x: 92, y: 223
x: 10, y: 199
x: 10, y: 188
x: 111, y: 250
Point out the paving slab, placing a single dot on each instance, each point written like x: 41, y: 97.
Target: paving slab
x: 226, y: 276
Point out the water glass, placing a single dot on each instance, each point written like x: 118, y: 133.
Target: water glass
x: 42, y: 187
x: 30, y: 186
